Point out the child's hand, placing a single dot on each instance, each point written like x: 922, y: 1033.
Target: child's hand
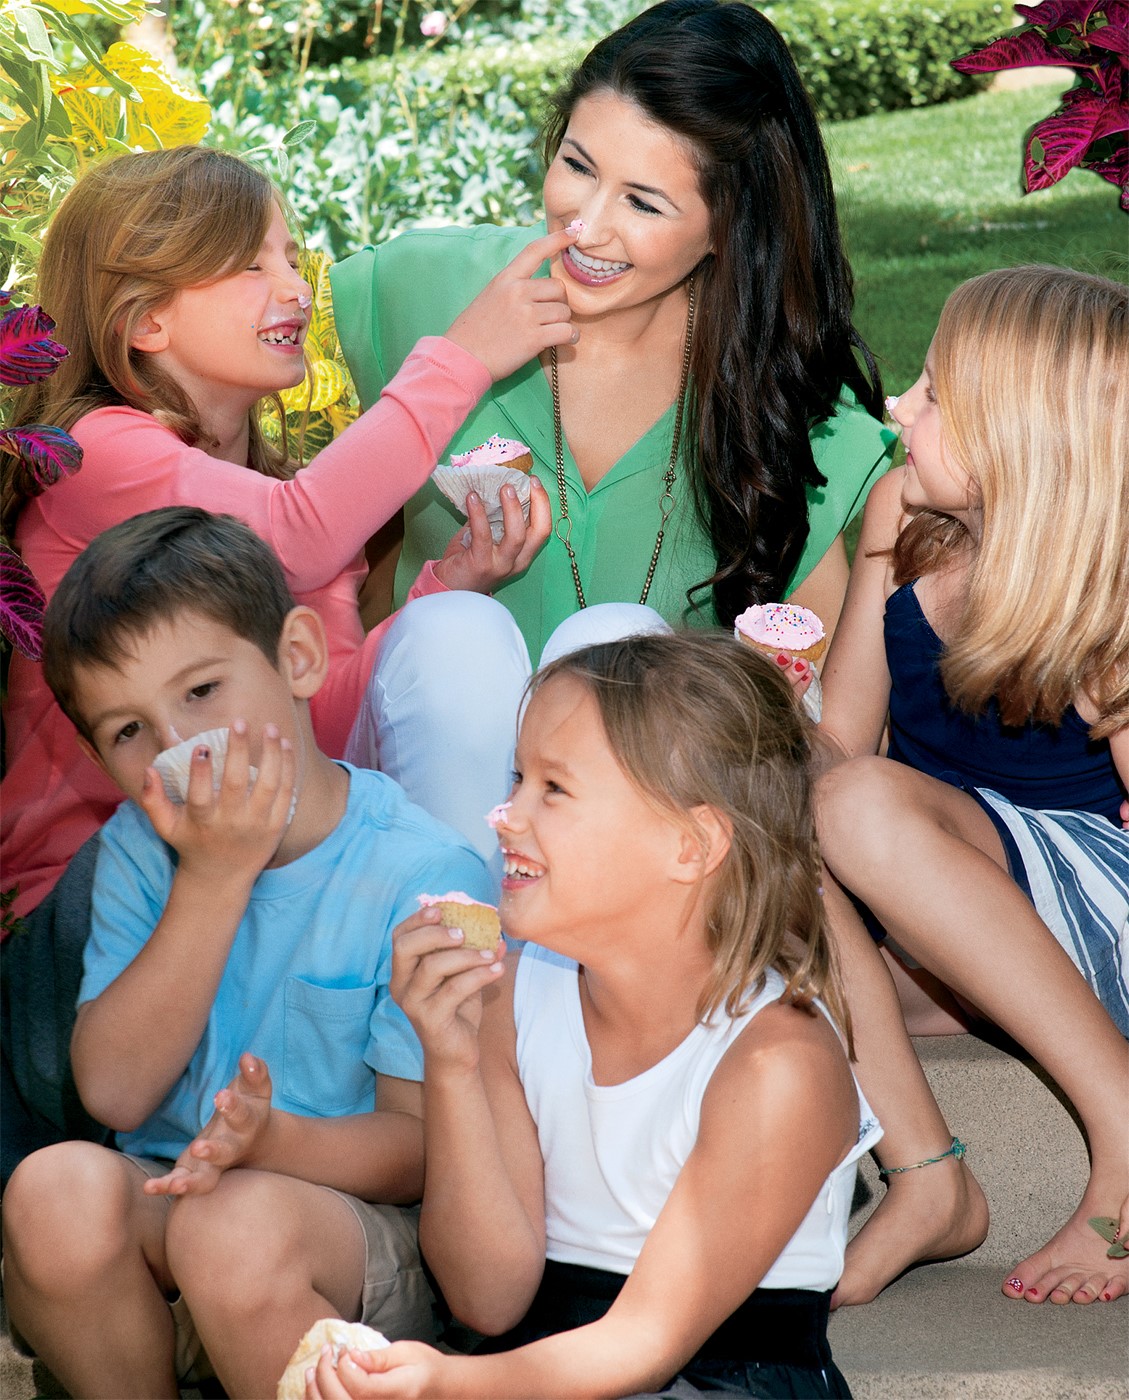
x: 475, y: 562
x: 232, y: 1132
x: 238, y: 827
x: 438, y: 985
x: 404, y: 1368
x: 517, y: 315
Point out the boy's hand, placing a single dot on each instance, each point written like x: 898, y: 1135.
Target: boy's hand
x: 404, y: 1368
x: 241, y: 1117
x: 438, y: 985
x: 237, y: 827
x: 476, y: 562
x: 517, y: 315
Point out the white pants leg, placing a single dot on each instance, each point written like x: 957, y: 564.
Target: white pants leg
x: 440, y: 711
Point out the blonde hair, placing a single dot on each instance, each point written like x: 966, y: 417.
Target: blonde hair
x: 1029, y: 369
x: 133, y: 232
x: 700, y: 719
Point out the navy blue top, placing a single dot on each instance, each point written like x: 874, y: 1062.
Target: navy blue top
x: 1035, y: 765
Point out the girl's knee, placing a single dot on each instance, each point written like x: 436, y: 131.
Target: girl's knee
x: 463, y: 627
x: 860, y: 808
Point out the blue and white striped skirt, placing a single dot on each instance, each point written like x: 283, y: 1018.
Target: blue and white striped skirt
x: 1074, y: 867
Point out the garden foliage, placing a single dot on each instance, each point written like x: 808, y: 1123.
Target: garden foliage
x: 1091, y: 127
x: 45, y: 453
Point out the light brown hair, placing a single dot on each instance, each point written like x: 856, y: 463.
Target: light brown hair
x: 699, y: 719
x: 1029, y: 369
x: 133, y: 232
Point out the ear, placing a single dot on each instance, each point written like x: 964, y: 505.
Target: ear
x: 150, y: 334
x: 303, y: 652
x: 702, y: 850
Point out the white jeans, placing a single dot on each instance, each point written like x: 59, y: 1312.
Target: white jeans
x: 441, y: 708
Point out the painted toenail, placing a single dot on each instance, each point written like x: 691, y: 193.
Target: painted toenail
x: 1034, y: 1292
x: 1016, y: 1283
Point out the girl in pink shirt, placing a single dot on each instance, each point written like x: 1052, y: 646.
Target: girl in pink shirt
x: 173, y: 279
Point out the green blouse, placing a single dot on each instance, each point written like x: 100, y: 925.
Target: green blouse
x: 385, y: 298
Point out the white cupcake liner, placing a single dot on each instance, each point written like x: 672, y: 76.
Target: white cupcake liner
x: 175, y: 764
x: 455, y: 482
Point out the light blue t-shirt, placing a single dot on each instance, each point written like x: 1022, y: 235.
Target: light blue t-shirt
x: 306, y: 982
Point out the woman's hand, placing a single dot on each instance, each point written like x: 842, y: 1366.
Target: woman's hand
x: 438, y: 983
x: 517, y: 315
x: 241, y: 1117
x: 474, y: 561
x: 405, y: 1368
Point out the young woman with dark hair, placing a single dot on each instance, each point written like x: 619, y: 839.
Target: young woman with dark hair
x: 711, y: 432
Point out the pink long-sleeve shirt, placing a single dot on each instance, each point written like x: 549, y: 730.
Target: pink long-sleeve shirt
x: 53, y: 797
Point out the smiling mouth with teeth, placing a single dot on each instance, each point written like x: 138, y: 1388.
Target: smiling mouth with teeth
x: 282, y: 336
x: 595, y: 267
x: 515, y: 866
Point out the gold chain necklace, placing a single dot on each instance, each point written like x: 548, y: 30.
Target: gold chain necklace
x: 666, y: 500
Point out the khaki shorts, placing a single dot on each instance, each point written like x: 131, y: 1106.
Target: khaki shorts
x: 396, y: 1298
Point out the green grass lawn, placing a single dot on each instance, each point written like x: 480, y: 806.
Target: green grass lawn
x: 932, y: 196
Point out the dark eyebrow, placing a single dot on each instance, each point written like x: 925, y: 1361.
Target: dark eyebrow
x: 631, y: 184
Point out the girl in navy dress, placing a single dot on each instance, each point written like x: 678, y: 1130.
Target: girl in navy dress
x: 987, y: 623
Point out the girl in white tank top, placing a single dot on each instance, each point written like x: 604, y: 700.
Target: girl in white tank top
x: 642, y: 1128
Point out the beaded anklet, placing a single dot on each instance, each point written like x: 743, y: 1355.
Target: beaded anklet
x: 957, y: 1150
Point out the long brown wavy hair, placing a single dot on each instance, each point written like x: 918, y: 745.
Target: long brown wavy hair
x: 133, y: 232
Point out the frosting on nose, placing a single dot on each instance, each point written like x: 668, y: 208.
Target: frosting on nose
x: 305, y: 301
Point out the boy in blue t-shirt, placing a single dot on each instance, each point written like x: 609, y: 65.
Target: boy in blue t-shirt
x: 242, y: 938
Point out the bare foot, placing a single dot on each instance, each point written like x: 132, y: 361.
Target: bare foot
x: 938, y: 1212
x: 1072, y: 1267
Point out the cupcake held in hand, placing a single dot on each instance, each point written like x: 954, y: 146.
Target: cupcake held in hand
x: 779, y: 629
x: 479, y: 922
x: 485, y: 470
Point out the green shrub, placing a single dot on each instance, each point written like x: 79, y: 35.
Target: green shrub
x: 862, y: 56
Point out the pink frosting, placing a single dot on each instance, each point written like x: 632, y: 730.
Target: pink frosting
x: 451, y: 897
x: 497, y: 815
x: 494, y: 452
x: 781, y: 625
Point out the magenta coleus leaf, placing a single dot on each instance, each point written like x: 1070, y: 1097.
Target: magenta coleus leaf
x: 1112, y: 37
x: 1063, y: 138
x: 50, y: 452
x: 22, y: 605
x: 5, y: 296
x: 27, y: 352
x: 1058, y: 14
x: 1026, y: 50
x: 1116, y: 171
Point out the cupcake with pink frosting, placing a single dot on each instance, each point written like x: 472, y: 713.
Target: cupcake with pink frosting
x: 479, y: 922
x: 485, y: 470
x: 776, y: 627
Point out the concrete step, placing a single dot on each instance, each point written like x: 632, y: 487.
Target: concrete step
x: 1024, y: 1144
x: 946, y: 1331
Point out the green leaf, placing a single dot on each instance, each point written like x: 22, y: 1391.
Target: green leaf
x: 35, y: 32
x: 298, y: 135
x: 1106, y: 1226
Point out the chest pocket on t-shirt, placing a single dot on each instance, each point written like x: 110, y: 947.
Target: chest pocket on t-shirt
x: 325, y: 1034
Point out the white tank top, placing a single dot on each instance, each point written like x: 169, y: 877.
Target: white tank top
x: 612, y: 1152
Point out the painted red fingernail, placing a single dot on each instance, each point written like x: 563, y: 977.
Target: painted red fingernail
x: 781, y: 659
x: 799, y: 666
